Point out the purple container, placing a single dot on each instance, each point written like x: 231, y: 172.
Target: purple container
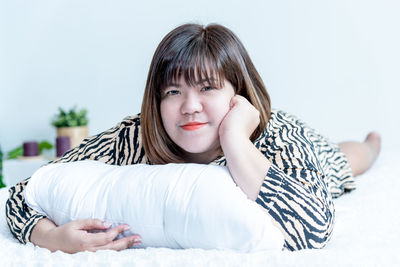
x: 63, y: 144
x: 31, y: 149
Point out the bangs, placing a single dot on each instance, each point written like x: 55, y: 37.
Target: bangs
x: 195, y: 64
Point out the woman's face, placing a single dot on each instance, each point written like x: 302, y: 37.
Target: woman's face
x: 191, y: 115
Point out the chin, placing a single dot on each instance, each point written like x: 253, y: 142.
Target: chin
x: 195, y: 148
x: 200, y: 148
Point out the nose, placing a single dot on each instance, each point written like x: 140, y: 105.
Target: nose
x: 191, y: 104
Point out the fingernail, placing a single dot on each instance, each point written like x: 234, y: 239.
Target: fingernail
x: 107, y: 224
x: 134, y: 242
x: 126, y: 227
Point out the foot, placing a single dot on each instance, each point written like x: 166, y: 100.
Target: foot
x: 373, y: 140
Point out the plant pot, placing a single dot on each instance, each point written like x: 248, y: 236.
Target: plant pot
x: 76, y: 134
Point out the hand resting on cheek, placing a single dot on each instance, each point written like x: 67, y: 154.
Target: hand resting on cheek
x: 173, y: 205
x: 240, y: 121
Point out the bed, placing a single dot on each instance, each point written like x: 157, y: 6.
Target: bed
x: 366, y: 234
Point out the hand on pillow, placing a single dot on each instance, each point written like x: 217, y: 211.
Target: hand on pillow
x: 173, y: 205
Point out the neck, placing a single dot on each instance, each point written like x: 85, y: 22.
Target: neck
x: 202, y: 158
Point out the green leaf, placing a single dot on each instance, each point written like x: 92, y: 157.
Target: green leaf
x: 72, y: 118
x: 1, y: 182
x: 15, y: 153
x: 44, y: 145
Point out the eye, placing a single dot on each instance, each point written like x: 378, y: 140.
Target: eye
x: 172, y: 92
x: 206, y: 88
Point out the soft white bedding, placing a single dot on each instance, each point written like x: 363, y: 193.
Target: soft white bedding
x: 366, y: 234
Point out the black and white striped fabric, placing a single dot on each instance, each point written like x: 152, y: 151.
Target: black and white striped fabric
x: 297, y: 192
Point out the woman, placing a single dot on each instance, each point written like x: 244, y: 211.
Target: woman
x: 205, y: 102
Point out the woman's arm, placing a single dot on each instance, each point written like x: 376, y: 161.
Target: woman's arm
x: 22, y: 220
x: 291, y: 189
x: 246, y: 163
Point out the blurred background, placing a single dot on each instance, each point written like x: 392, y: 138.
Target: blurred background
x: 334, y: 64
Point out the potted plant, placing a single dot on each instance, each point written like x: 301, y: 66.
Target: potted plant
x: 73, y: 124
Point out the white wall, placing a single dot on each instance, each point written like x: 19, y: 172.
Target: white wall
x: 335, y: 64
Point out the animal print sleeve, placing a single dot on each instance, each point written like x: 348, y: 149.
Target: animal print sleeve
x: 103, y: 147
x: 293, y: 191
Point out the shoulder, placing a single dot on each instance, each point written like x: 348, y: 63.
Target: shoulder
x: 283, y: 128
x: 128, y: 130
x: 131, y: 121
x: 287, y: 142
x: 129, y: 141
x: 128, y: 124
x: 280, y: 118
x: 120, y: 145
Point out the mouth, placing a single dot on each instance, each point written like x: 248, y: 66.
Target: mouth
x: 191, y: 126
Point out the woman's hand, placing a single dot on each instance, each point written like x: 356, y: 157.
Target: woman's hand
x: 240, y: 121
x: 74, y: 236
x: 247, y: 165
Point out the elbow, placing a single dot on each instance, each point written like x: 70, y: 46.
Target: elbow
x: 323, y: 225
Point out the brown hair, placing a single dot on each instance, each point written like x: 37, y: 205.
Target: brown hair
x: 212, y: 52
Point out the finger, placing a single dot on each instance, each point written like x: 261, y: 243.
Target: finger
x: 99, y: 239
x: 233, y: 102
x: 121, y: 244
x: 91, y: 224
x: 237, y: 100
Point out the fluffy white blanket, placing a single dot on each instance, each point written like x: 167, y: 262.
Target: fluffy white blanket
x: 366, y: 234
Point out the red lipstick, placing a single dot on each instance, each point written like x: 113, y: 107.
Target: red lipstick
x: 191, y: 126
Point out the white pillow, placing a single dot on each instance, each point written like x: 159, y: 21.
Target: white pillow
x: 174, y: 205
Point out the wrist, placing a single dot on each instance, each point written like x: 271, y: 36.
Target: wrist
x: 41, y: 234
x: 232, y: 138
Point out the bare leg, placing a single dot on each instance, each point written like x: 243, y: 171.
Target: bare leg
x: 361, y: 155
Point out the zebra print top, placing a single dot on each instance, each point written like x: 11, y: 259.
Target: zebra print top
x: 307, y: 171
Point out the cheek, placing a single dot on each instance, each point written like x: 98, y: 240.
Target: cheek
x: 219, y: 109
x: 225, y: 103
x: 165, y: 114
